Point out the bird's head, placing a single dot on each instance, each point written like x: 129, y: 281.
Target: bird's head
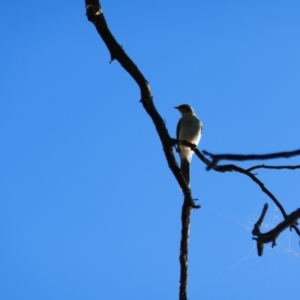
x: 185, y: 109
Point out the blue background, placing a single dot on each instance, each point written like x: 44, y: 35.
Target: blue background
x: 88, y: 206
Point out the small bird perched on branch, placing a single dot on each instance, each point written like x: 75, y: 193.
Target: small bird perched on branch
x: 189, y: 128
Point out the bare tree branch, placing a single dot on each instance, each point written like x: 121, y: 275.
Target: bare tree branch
x: 241, y: 157
x: 272, y: 235
x: 184, y: 250
x: 231, y: 168
x: 273, y: 167
x: 95, y: 14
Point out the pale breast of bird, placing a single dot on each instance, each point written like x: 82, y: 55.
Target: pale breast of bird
x: 193, y: 130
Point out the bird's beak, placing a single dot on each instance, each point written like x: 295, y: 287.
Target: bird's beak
x: 176, y: 107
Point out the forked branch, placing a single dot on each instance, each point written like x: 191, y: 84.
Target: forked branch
x: 288, y: 219
x: 272, y: 235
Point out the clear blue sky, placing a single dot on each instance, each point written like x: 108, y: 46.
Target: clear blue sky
x: 88, y: 206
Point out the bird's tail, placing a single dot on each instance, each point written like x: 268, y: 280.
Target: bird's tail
x: 185, y: 167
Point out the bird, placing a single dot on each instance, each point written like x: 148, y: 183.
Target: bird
x: 190, y: 129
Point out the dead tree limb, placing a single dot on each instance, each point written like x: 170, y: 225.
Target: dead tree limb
x: 234, y: 168
x: 272, y: 235
x: 95, y: 14
x: 242, y: 157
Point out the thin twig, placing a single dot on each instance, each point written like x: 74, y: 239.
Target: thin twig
x: 273, y: 167
x: 242, y: 157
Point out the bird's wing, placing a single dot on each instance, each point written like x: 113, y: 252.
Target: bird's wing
x: 178, y: 126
